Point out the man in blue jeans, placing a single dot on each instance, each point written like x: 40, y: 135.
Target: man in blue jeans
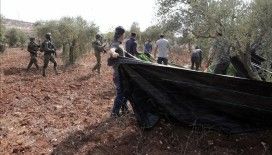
x: 116, y: 51
x: 148, y: 48
x: 163, y: 49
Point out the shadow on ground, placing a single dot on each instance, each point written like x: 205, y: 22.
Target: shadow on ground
x: 123, y: 136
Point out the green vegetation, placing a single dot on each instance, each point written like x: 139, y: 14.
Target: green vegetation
x: 15, y: 37
x: 244, y: 24
x: 73, y: 35
x: 2, y: 35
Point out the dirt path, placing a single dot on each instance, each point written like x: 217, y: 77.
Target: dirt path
x: 69, y: 114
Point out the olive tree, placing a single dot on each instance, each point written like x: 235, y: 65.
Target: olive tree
x: 73, y: 35
x: 242, y: 23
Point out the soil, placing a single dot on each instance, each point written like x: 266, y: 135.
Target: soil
x: 69, y: 113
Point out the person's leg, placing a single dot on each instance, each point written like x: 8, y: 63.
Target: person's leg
x: 98, y: 62
x: 119, y: 99
x: 225, y: 67
x: 197, y: 64
x: 96, y: 65
x: 159, y: 61
x: 55, y: 63
x: 30, y: 63
x: 36, y: 62
x: 45, y: 63
x: 165, y: 61
x: 192, y: 63
x: 218, y: 69
x: 221, y: 68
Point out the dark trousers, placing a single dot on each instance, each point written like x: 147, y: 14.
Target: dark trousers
x: 120, y: 102
x: 162, y: 60
x: 196, y: 63
x: 33, y: 60
x: 221, y: 68
x: 98, y: 62
x: 47, y: 58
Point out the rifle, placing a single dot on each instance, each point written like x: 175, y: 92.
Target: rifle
x: 54, y: 52
x: 53, y: 49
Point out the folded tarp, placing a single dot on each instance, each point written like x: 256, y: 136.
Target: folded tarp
x: 228, y: 104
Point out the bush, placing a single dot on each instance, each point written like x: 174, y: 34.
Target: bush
x: 15, y: 38
x: 73, y: 35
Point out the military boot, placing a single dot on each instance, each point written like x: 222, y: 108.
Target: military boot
x: 43, y: 73
x: 56, y: 71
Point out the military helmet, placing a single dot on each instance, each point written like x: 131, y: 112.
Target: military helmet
x: 48, y: 35
x: 31, y: 38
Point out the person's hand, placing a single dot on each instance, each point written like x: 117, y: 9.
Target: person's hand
x: 114, y: 55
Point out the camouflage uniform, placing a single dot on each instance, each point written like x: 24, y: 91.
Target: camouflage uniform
x: 49, y: 49
x: 220, y: 55
x: 32, y: 48
x: 98, y: 48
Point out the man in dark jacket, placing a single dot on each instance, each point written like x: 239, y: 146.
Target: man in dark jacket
x: 196, y: 58
x: 131, y: 45
x: 32, y: 48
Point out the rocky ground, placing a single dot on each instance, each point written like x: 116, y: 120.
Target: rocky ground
x: 69, y: 114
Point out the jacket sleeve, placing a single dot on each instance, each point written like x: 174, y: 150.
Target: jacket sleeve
x: 134, y: 47
x: 98, y: 47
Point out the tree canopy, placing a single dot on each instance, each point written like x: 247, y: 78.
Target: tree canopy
x: 74, y: 35
x: 244, y: 24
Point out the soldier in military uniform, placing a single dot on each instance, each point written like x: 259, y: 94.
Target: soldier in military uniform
x: 219, y: 55
x: 98, y: 49
x: 33, y: 48
x: 49, y: 49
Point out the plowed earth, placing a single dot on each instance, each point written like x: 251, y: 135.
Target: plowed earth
x: 69, y: 113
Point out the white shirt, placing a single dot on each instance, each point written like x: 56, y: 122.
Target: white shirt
x: 163, y: 48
